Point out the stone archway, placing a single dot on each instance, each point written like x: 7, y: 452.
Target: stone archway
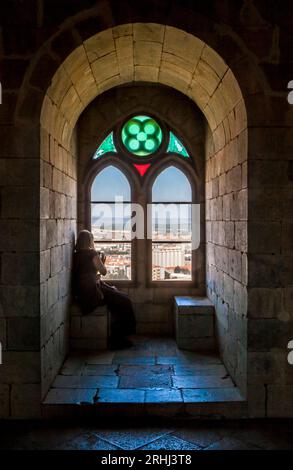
x: 150, y: 53
x: 162, y: 54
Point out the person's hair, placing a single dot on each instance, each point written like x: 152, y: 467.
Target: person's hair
x: 85, y: 241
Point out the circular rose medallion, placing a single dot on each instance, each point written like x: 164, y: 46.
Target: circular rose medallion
x: 142, y: 135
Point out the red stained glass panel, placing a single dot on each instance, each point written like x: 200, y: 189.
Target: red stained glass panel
x: 142, y: 168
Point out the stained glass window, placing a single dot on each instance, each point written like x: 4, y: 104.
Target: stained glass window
x: 176, y: 146
x: 141, y: 142
x: 142, y: 135
x: 142, y: 168
x: 106, y: 146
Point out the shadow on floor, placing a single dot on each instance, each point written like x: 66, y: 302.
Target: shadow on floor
x: 195, y: 435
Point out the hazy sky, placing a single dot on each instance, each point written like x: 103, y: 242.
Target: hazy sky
x: 170, y: 185
x: 110, y: 183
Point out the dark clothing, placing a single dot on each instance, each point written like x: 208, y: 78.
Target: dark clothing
x: 85, y: 280
x: 91, y: 292
x: 122, y: 314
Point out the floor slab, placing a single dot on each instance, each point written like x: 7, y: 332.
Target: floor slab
x: 153, y: 374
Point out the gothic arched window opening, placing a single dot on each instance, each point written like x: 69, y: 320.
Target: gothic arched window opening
x: 141, y: 160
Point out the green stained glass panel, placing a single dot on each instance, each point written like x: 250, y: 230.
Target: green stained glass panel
x: 175, y: 146
x: 106, y: 146
x: 142, y: 135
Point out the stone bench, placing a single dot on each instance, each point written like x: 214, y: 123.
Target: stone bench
x: 194, y: 323
x: 89, y: 331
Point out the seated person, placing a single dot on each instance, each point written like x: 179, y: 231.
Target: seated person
x: 90, y: 291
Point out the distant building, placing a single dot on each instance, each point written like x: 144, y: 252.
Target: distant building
x: 172, y: 255
x: 158, y: 273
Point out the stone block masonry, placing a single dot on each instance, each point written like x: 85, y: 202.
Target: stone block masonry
x: 55, y: 62
x: 89, y: 331
x: 194, y: 324
x: 57, y: 238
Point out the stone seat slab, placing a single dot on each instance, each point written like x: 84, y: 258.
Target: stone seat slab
x: 194, y: 323
x: 189, y: 304
x: 89, y: 331
x: 98, y: 311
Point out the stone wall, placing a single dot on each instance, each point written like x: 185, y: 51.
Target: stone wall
x: 270, y: 275
x: 19, y: 278
x: 153, y: 305
x: 57, y: 235
x: 254, y: 41
x: 226, y: 194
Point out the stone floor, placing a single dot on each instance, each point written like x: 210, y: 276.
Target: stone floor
x: 152, y: 372
x: 195, y: 435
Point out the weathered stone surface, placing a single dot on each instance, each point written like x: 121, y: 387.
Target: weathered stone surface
x: 267, y: 270
x: 19, y: 300
x: 75, y: 382
x: 228, y: 285
x: 264, y: 302
x: 269, y: 144
x: 240, y: 298
x: 235, y: 264
x: 148, y: 32
x: 89, y: 331
x: 145, y: 381
x: 20, y: 203
x: 56, y: 260
x: 9, y: 234
x: 264, y: 368
x: 280, y: 401
x: 44, y: 265
x: 267, y: 173
x: 97, y: 46
x: 287, y: 238
x: 2, y: 334
x: 256, y: 398
x: 23, y: 334
x: 190, y: 382
x: 20, y: 366
x: 227, y: 206
x: 265, y: 237
x: 239, y: 205
x: 147, y: 53
x: 94, y: 327
x: 14, y: 171
x: 53, y: 290
x: 265, y: 334
x: 50, y: 233
x: 21, y: 395
x: 27, y: 272
x: 203, y: 70
x: 230, y: 234
x: 152, y: 313
x: 214, y: 60
x: 241, y: 236
x: 194, y: 323
x: 4, y: 401
x: 177, y: 43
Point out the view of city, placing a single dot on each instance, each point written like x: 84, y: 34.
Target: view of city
x: 171, y: 261
x: 171, y: 235
x: 118, y: 260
